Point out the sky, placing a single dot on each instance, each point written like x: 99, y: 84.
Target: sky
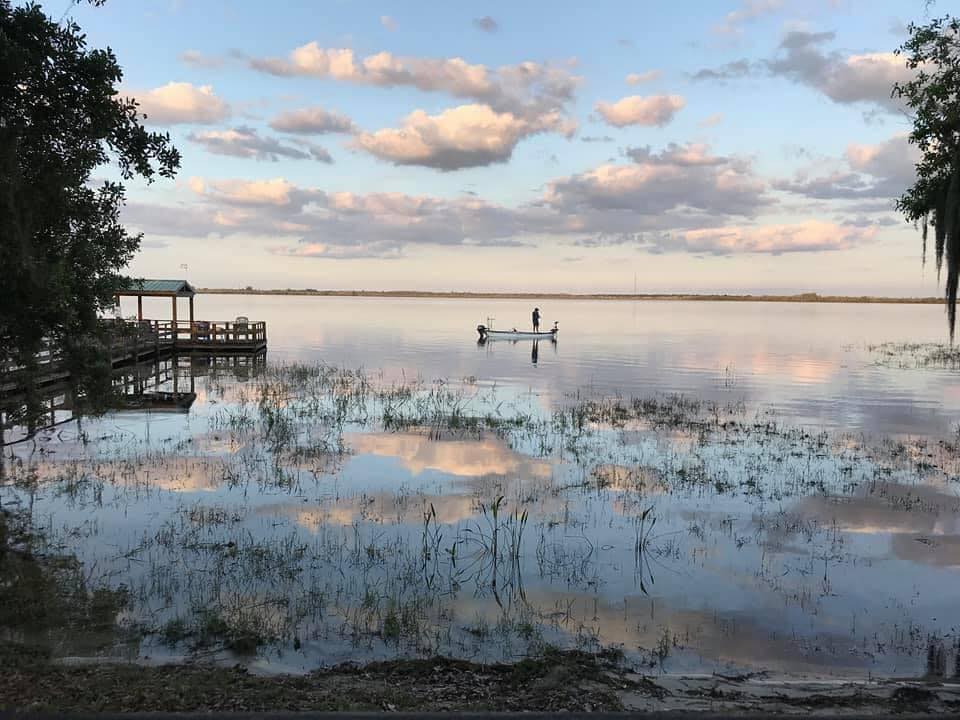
x: 689, y: 146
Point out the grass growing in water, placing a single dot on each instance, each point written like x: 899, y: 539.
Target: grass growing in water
x: 260, y: 540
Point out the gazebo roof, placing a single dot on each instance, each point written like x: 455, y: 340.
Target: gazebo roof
x: 158, y: 288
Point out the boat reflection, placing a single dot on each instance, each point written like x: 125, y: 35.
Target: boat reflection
x: 487, y: 343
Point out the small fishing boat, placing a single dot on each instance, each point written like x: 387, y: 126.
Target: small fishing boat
x: 487, y: 333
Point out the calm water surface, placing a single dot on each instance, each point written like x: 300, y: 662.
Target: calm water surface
x: 808, y: 361
x: 806, y: 521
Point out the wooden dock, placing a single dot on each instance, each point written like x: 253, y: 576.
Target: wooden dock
x: 138, y: 340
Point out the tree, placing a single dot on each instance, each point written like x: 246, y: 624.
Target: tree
x: 933, y: 95
x: 62, y: 245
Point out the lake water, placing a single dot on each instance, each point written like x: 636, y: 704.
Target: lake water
x: 786, y: 499
x: 808, y: 361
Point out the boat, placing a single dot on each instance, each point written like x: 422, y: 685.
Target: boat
x: 487, y: 333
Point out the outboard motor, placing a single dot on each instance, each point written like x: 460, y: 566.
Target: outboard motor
x: 482, y: 329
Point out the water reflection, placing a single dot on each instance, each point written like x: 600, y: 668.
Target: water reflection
x: 459, y: 457
x: 166, y: 383
x: 351, y: 515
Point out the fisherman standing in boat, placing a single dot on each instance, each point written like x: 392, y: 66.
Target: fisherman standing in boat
x: 536, y: 319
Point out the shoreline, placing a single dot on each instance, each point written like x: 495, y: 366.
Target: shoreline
x: 681, y: 297
x: 554, y: 682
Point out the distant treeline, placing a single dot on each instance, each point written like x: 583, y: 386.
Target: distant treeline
x: 801, y: 297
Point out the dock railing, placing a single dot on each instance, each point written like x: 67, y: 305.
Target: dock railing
x: 222, y: 333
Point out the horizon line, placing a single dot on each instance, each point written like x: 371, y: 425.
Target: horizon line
x: 809, y: 297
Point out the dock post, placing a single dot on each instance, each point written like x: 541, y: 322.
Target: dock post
x: 174, y: 322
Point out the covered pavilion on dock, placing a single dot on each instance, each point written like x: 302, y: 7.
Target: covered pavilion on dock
x: 239, y: 335
x: 172, y: 289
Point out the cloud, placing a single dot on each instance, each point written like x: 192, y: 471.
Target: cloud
x: 196, y: 59
x: 865, y: 78
x: 486, y: 23
x: 596, y: 138
x: 681, y: 198
x: 276, y: 192
x: 382, y: 251
x: 748, y: 11
x: 636, y: 110
x: 711, y: 120
x: 312, y: 121
x: 810, y: 236
x: 882, y: 170
x: 527, y: 88
x: 180, y: 102
x: 246, y: 142
x: 644, y: 77
x: 833, y: 186
x: 337, y: 224
x: 680, y: 186
x: 388, y: 22
x: 461, y: 137
x: 728, y: 71
x: 317, y: 152
x: 894, y: 159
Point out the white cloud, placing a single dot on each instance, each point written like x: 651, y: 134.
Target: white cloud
x: 277, y: 191
x: 866, y: 78
x: 388, y: 22
x: 809, y: 236
x: 682, y: 198
x: 748, y: 11
x: 312, y: 121
x: 863, y: 78
x: 882, y: 170
x: 381, y: 251
x: 894, y: 159
x: 461, y: 137
x: 682, y: 179
x: 644, y: 77
x: 246, y: 142
x: 525, y: 88
x: 181, y: 102
x: 197, y: 59
x: 636, y: 110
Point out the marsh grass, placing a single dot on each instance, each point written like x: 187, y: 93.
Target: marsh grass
x: 253, y: 544
x: 916, y: 355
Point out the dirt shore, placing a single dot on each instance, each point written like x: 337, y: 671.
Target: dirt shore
x: 557, y: 682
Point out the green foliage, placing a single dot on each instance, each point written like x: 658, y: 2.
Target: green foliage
x: 62, y: 245
x: 933, y: 96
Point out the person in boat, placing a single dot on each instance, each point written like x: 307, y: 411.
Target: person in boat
x: 536, y: 319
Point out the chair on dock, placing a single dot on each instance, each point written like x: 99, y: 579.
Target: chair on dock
x: 241, y: 328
